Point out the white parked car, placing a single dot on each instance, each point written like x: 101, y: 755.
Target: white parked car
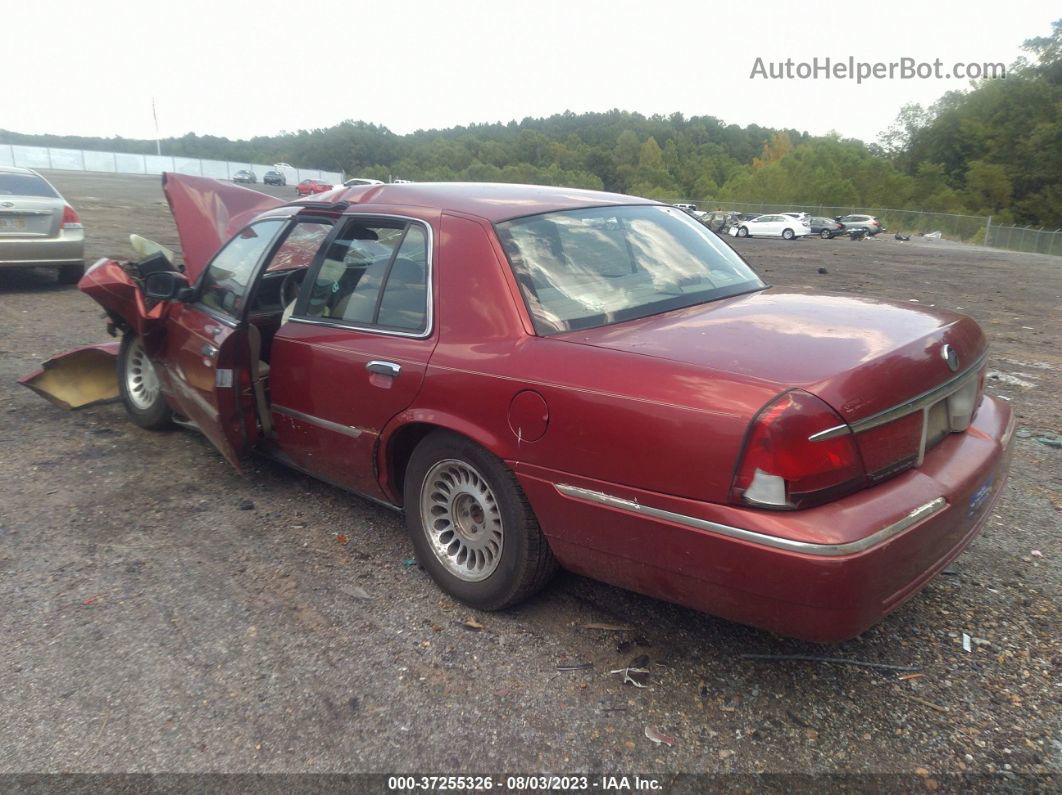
x: 784, y: 226
x: 358, y: 181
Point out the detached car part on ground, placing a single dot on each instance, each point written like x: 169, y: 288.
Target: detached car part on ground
x: 543, y: 376
x: 38, y: 227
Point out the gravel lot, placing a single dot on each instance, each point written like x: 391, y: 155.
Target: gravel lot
x: 150, y: 624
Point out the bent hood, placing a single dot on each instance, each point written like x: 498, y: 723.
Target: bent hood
x: 859, y: 355
x: 208, y: 212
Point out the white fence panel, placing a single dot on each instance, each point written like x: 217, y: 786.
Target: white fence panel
x: 155, y: 164
x: 67, y: 159
x: 125, y: 163
x: 215, y: 169
x: 188, y: 165
x: 99, y: 161
x: 234, y: 167
x: 31, y: 156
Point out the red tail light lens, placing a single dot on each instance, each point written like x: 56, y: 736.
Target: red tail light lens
x: 782, y: 467
x: 71, y: 220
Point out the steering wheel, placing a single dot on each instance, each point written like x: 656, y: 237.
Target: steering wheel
x: 289, y: 288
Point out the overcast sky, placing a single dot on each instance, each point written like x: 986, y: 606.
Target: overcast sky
x: 238, y: 69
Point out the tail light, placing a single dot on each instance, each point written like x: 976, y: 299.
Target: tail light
x: 71, y: 220
x: 784, y: 466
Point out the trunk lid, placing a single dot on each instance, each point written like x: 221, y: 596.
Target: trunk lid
x: 29, y: 216
x: 861, y: 356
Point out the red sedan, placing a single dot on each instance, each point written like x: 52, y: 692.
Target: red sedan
x: 541, y: 376
x: 308, y: 187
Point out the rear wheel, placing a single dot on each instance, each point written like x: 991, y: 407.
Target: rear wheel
x: 138, y: 384
x: 471, y: 525
x: 825, y: 234
x: 788, y: 234
x: 71, y: 274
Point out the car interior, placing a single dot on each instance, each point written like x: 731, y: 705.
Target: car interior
x: 374, y: 274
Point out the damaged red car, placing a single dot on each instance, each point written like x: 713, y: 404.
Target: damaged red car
x: 540, y: 376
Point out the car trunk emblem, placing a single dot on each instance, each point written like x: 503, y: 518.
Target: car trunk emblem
x: 951, y: 357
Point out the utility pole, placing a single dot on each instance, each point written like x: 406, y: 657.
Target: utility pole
x: 158, y: 143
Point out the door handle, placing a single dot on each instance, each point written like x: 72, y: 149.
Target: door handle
x: 384, y: 368
x: 208, y: 350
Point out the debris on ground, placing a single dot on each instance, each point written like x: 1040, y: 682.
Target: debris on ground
x: 609, y: 627
x: 637, y: 671
x: 932, y: 235
x: 355, y: 591
x: 657, y: 736
x: 471, y: 624
x: 1050, y: 441
x: 902, y: 238
x: 408, y: 562
x: 342, y: 539
x: 1037, y: 553
x: 823, y: 271
x: 1007, y: 378
x: 965, y: 642
x: 246, y: 505
x: 839, y: 660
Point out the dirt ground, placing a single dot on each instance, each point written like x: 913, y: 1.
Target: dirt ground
x: 150, y: 624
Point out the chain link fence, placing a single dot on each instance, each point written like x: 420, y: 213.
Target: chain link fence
x: 1024, y: 238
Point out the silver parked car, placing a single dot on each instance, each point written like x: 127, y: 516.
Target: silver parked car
x: 38, y: 227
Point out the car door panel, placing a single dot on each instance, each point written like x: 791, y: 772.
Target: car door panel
x: 329, y: 406
x: 203, y: 359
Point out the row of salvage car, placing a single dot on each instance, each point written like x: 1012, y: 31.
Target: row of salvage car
x: 786, y: 225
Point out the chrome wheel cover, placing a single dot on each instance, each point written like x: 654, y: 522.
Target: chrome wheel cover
x: 141, y: 380
x: 462, y: 520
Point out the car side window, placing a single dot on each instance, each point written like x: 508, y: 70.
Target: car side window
x: 374, y: 274
x: 226, y: 281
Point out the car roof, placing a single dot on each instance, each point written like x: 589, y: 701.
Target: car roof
x: 18, y: 170
x: 491, y: 201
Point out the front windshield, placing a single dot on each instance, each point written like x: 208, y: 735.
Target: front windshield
x: 584, y: 268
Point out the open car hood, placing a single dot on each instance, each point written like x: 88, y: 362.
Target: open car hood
x: 208, y: 212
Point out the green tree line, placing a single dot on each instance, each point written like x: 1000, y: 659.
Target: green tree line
x: 995, y: 148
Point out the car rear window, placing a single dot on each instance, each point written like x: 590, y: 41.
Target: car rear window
x: 26, y: 185
x: 592, y: 267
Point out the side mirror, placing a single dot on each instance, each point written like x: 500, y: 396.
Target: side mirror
x: 167, y: 286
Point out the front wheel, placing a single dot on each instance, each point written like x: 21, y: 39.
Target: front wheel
x: 471, y: 525
x: 788, y: 234
x: 743, y: 231
x: 138, y: 384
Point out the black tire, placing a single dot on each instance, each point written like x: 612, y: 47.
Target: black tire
x: 70, y: 274
x: 788, y: 234
x: 525, y: 563
x: 743, y: 231
x: 155, y: 415
x: 826, y: 234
